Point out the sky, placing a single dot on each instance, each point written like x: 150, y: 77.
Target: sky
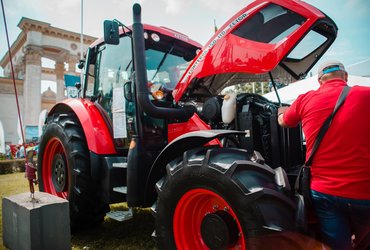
x: 194, y: 18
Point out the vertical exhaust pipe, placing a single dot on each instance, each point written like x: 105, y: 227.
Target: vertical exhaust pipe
x: 142, y: 79
x: 136, y: 159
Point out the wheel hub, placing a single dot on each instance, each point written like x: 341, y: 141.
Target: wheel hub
x: 219, y: 230
x: 59, y: 172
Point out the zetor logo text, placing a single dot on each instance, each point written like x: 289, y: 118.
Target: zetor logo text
x: 214, y: 41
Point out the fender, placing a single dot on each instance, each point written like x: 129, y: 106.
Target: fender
x: 195, y: 123
x: 97, y: 132
x: 175, y: 149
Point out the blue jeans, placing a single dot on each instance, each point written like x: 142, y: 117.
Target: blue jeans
x: 340, y: 218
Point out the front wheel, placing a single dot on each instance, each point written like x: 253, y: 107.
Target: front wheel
x: 219, y: 199
x: 64, y: 169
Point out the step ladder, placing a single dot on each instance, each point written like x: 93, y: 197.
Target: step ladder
x: 121, y: 215
x: 119, y: 165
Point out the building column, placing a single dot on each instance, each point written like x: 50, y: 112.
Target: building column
x: 32, y: 86
x: 72, y: 65
x: 59, y: 71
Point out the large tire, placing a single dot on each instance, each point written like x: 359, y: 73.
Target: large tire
x: 219, y: 199
x: 64, y: 170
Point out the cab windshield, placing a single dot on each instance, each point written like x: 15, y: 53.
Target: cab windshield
x: 111, y: 66
x: 164, y: 68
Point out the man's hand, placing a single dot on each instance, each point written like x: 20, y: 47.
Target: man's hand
x: 281, y: 112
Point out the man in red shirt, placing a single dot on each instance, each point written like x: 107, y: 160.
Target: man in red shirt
x: 340, y: 182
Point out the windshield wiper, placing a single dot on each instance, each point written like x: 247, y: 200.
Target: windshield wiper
x: 162, y: 61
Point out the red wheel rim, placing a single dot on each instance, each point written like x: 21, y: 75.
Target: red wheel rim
x: 190, y: 211
x: 53, y: 148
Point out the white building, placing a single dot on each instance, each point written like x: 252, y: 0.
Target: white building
x: 36, y: 41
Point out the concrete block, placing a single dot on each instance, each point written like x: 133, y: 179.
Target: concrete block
x: 42, y: 223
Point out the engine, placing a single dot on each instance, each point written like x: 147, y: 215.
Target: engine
x: 257, y: 116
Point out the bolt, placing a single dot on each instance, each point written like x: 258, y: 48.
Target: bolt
x: 226, y: 209
x: 215, y: 207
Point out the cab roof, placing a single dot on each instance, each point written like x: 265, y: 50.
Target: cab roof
x: 160, y: 30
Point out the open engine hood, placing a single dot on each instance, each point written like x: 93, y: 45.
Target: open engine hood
x: 285, y: 37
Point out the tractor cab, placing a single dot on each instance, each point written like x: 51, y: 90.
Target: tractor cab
x: 109, y: 79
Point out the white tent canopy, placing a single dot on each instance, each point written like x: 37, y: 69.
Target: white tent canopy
x: 289, y: 93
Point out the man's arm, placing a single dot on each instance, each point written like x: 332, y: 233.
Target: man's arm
x: 281, y: 112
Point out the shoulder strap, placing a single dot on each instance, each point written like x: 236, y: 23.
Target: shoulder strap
x: 327, y: 124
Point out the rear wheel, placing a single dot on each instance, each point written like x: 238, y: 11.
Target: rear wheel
x: 64, y: 169
x: 219, y: 199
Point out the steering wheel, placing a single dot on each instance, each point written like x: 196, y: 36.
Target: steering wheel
x: 156, y: 89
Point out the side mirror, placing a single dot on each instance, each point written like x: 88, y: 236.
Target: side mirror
x: 111, y: 33
x: 127, y: 91
x: 81, y: 64
x: 78, y: 85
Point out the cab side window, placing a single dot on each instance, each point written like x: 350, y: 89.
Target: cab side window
x: 113, y: 68
x: 114, y: 65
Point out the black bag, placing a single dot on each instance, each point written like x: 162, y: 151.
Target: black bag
x: 303, y: 187
x: 301, y: 213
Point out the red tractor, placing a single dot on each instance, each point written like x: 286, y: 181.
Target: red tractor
x: 152, y: 128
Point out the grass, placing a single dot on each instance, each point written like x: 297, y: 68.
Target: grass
x: 10, y: 184
x: 130, y: 235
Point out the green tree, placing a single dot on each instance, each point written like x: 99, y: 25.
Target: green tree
x: 248, y: 88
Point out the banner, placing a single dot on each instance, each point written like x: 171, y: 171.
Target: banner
x: 32, y: 133
x: 70, y: 82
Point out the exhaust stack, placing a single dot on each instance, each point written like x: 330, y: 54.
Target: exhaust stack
x: 141, y: 77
